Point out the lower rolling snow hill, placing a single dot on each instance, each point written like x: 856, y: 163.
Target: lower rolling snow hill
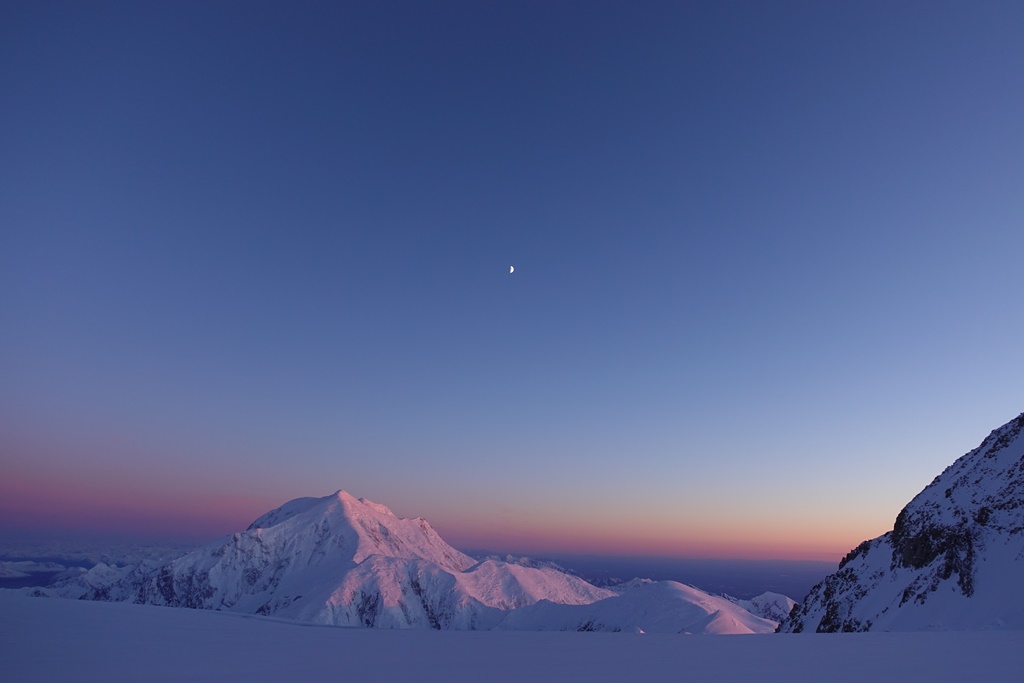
x: 351, y: 562
x: 644, y: 607
x: 953, y: 561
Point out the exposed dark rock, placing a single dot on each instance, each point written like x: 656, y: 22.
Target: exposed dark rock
x: 934, y: 552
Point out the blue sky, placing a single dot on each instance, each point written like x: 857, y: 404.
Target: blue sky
x: 767, y: 263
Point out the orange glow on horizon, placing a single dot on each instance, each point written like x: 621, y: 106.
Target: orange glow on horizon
x: 31, y: 502
x: 581, y: 543
x: 756, y: 542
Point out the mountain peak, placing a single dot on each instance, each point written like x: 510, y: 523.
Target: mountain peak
x: 353, y: 529
x: 380, y: 508
x: 352, y: 506
x: 951, y: 560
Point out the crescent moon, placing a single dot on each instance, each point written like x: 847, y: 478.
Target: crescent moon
x: 511, y: 269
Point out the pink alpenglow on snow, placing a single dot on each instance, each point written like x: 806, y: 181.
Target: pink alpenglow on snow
x: 348, y: 561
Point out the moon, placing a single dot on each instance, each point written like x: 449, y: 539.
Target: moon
x: 511, y: 269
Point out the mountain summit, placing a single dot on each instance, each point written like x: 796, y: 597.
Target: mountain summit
x: 953, y: 560
x: 350, y: 529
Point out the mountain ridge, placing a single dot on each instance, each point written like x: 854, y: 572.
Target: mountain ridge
x: 952, y: 560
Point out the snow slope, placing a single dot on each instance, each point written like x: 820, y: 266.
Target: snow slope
x: 769, y: 605
x: 644, y: 607
x: 43, y: 641
x: 953, y: 561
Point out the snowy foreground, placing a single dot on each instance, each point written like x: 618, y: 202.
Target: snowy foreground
x: 45, y: 639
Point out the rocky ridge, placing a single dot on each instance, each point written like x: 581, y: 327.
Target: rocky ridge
x: 952, y: 561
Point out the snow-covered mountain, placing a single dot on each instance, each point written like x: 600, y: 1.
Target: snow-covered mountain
x: 643, y: 607
x: 351, y: 562
x: 953, y: 561
x: 337, y: 560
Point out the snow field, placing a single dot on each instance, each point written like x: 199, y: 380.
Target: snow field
x: 56, y: 640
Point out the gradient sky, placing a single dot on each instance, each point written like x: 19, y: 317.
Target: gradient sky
x: 768, y: 265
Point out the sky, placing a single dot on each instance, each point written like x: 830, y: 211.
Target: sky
x: 767, y: 265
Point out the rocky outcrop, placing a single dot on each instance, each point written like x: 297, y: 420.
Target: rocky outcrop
x: 952, y: 561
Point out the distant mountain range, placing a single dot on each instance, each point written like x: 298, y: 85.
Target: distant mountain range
x: 351, y: 562
x: 953, y: 561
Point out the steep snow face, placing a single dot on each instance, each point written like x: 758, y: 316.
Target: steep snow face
x: 952, y: 560
x: 644, y: 607
x: 385, y: 592
x: 358, y: 528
